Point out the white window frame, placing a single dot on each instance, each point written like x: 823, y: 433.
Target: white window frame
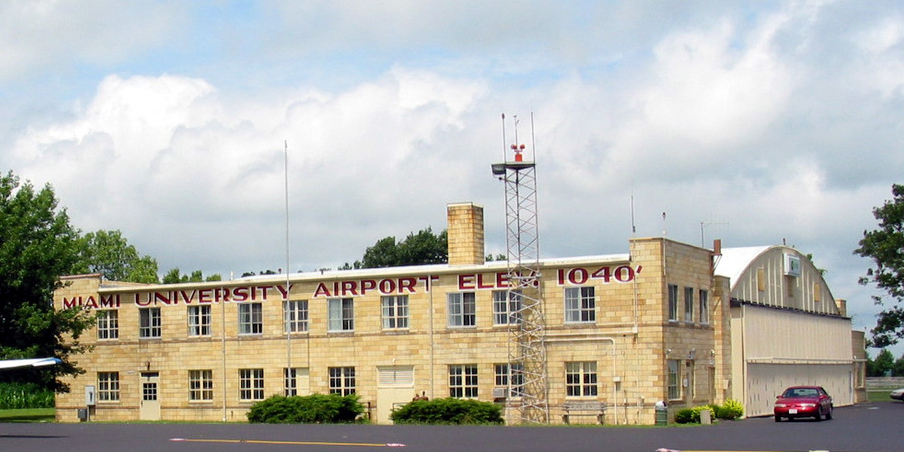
x: 462, y: 307
x: 463, y: 382
x: 341, y: 315
x: 200, y: 385
x: 507, y: 305
x: 107, y: 324
x: 296, y: 316
x: 108, y: 386
x: 251, y: 319
x: 581, y: 379
x: 673, y: 302
x: 513, y: 374
x: 673, y: 379
x: 150, y: 323
x: 688, y: 305
x: 394, y: 312
x: 580, y: 304
x: 251, y: 385
x: 199, y: 318
x: 342, y: 380
x: 704, y: 306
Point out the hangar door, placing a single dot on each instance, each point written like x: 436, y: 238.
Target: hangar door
x: 765, y: 381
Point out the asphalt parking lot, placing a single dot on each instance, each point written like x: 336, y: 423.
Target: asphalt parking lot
x: 874, y: 427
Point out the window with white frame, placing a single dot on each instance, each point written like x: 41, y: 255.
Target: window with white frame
x: 290, y: 381
x: 513, y: 374
x: 395, y: 311
x: 463, y: 381
x: 108, y: 386
x: 507, y: 307
x: 689, y: 305
x: 251, y: 318
x: 342, y: 380
x: 200, y: 385
x: 462, y: 309
x: 673, y: 303
x: 341, y: 314
x: 149, y: 323
x: 107, y: 324
x: 580, y: 305
x: 296, y: 316
x: 251, y: 384
x: 704, y: 307
x: 580, y: 379
x: 673, y: 380
x: 199, y: 320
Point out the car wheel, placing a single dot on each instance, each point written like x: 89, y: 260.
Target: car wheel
x: 778, y: 418
x: 818, y: 415
x: 829, y: 414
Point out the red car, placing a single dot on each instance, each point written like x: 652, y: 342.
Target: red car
x: 803, y: 401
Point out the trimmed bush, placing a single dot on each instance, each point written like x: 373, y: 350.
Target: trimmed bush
x: 448, y: 411
x: 731, y: 409
x: 312, y: 409
x: 687, y: 416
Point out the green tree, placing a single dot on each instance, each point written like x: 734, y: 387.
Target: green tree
x: 425, y: 247
x: 885, y: 246
x: 174, y: 276
x: 883, y: 363
x: 109, y: 253
x: 37, y: 246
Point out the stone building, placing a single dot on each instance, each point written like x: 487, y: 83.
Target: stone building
x: 664, y: 322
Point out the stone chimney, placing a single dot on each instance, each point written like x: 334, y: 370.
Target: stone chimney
x: 465, y: 233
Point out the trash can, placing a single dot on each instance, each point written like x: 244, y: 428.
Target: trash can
x: 662, y: 413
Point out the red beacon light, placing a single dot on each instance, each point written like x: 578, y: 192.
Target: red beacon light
x: 518, y: 150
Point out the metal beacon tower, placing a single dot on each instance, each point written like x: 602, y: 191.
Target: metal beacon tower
x: 528, y: 385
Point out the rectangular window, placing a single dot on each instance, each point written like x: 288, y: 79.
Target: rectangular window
x: 395, y: 312
x: 510, y: 374
x: 108, y: 386
x: 251, y: 384
x: 673, y: 303
x: 199, y: 320
x: 342, y: 314
x: 290, y: 378
x: 149, y: 323
x: 107, y: 324
x: 463, y: 381
x: 296, y: 316
x: 580, y: 305
x: 580, y: 379
x: 200, y: 385
x: 704, y: 307
x: 462, y: 309
x: 342, y: 380
x: 674, y: 379
x: 507, y: 307
x: 689, y: 305
x: 251, y: 320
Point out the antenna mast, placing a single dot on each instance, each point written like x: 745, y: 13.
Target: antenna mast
x: 527, y: 320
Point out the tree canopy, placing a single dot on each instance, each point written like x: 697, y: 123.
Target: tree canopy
x: 885, y: 246
x: 174, y: 276
x: 425, y: 247
x: 109, y: 253
x: 37, y: 246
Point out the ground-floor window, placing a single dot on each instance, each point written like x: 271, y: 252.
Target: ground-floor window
x: 251, y: 384
x: 463, y: 381
x: 108, y: 386
x: 200, y: 385
x: 342, y: 380
x: 674, y: 379
x: 513, y: 374
x: 581, y: 379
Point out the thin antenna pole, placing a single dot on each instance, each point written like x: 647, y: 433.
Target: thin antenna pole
x: 286, y: 300
x: 504, y: 149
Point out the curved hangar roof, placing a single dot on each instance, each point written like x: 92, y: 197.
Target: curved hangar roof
x: 778, y: 276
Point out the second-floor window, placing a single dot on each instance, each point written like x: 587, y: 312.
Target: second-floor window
x: 688, y: 304
x: 462, y: 309
x: 296, y: 316
x: 506, y: 307
x: 673, y: 303
x: 199, y: 320
x: 251, y: 320
x: 149, y: 323
x: 341, y: 314
x: 580, y: 305
x: 395, y: 312
x: 107, y: 324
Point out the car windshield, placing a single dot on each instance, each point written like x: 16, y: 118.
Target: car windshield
x: 801, y: 392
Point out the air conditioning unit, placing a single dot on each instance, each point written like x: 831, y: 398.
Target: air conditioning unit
x: 792, y: 265
x: 500, y: 392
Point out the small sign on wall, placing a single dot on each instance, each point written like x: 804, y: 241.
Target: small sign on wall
x: 90, y: 393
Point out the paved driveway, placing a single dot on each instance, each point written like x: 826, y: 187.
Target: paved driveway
x: 877, y: 427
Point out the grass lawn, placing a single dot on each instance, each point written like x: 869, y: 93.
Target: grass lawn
x: 28, y: 415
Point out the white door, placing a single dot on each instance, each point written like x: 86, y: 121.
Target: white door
x: 395, y: 387
x: 150, y: 405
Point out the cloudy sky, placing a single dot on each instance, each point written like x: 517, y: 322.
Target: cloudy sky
x: 756, y: 122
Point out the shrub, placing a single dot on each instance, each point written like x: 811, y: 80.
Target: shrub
x: 24, y: 395
x: 731, y: 409
x: 687, y: 416
x: 448, y: 411
x: 312, y: 409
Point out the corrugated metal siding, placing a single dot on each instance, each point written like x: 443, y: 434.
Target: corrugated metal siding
x: 765, y: 381
x: 767, y: 272
x: 787, y: 335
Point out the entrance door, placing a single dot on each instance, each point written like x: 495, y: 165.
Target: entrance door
x: 150, y: 405
x: 395, y: 387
